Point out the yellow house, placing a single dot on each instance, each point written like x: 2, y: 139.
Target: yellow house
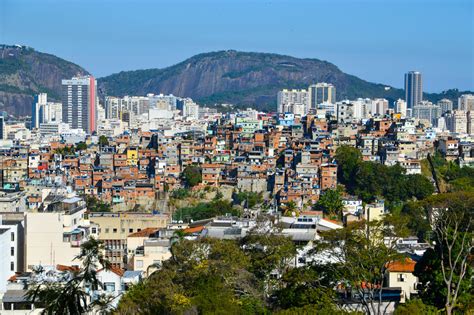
x: 132, y: 156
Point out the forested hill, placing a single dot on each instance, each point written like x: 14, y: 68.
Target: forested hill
x: 25, y: 72
x: 247, y: 78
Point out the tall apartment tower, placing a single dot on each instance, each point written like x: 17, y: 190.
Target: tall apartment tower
x: 445, y: 105
x: 413, y: 88
x: 79, y: 98
x: 2, y: 127
x: 289, y: 100
x: 321, y: 93
x: 40, y: 100
x: 466, y: 102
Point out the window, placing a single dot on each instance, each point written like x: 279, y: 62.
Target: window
x: 109, y: 286
x: 12, y: 251
x: 139, y: 264
x: 130, y: 230
x: 107, y: 230
x: 401, y: 277
x: 115, y: 230
x: 94, y: 230
x: 12, y: 266
x: 13, y: 236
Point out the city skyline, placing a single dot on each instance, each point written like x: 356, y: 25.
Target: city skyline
x: 154, y: 37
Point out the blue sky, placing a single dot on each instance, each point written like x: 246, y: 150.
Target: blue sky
x: 377, y: 40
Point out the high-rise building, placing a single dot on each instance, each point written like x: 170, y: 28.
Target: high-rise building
x: 466, y: 102
x: 401, y: 107
x: 289, y: 100
x: 79, y: 97
x: 2, y: 127
x: 40, y: 100
x: 164, y: 102
x: 190, y: 109
x: 380, y: 106
x: 44, y: 111
x: 445, y: 105
x: 457, y: 121
x: 413, y: 88
x: 427, y: 111
x: 321, y: 93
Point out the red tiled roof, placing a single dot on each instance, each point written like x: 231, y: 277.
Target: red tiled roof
x: 144, y: 233
x: 118, y: 271
x: 67, y: 268
x: 406, y: 265
x: 196, y: 229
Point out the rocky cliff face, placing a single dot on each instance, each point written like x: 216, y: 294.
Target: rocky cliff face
x: 25, y: 72
x: 240, y: 78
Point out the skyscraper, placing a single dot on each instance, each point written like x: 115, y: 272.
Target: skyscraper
x: 79, y: 98
x: 413, y: 88
x: 2, y: 127
x: 40, y: 100
x: 321, y: 93
x: 287, y: 100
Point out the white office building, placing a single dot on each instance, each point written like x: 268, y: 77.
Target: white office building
x: 466, y: 102
x: 289, y: 101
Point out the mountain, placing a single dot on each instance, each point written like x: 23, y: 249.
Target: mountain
x: 25, y: 72
x: 240, y: 78
x: 246, y: 78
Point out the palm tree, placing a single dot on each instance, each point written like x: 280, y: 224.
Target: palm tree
x: 71, y: 297
x: 290, y: 208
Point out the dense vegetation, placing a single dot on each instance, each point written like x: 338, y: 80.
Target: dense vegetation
x: 370, y: 180
x: 192, y: 175
x: 204, y: 210
x: 213, y: 276
x: 247, y: 198
x: 253, y: 275
x: 95, y: 205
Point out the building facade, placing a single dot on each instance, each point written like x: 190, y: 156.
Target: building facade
x: 79, y: 99
x: 321, y: 93
x: 413, y: 88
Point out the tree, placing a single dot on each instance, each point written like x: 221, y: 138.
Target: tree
x: 219, y: 195
x: 205, y: 210
x: 419, y: 186
x: 269, y: 253
x: 250, y: 198
x: 290, y: 208
x: 95, y: 205
x: 81, y: 146
x: 348, y: 159
x: 446, y: 269
x: 207, y: 276
x: 331, y: 203
x: 103, y: 141
x: 66, y: 150
x: 417, y: 219
x: 358, y: 258
x: 192, y: 175
x: 72, y: 296
x: 415, y: 306
x: 305, y: 286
